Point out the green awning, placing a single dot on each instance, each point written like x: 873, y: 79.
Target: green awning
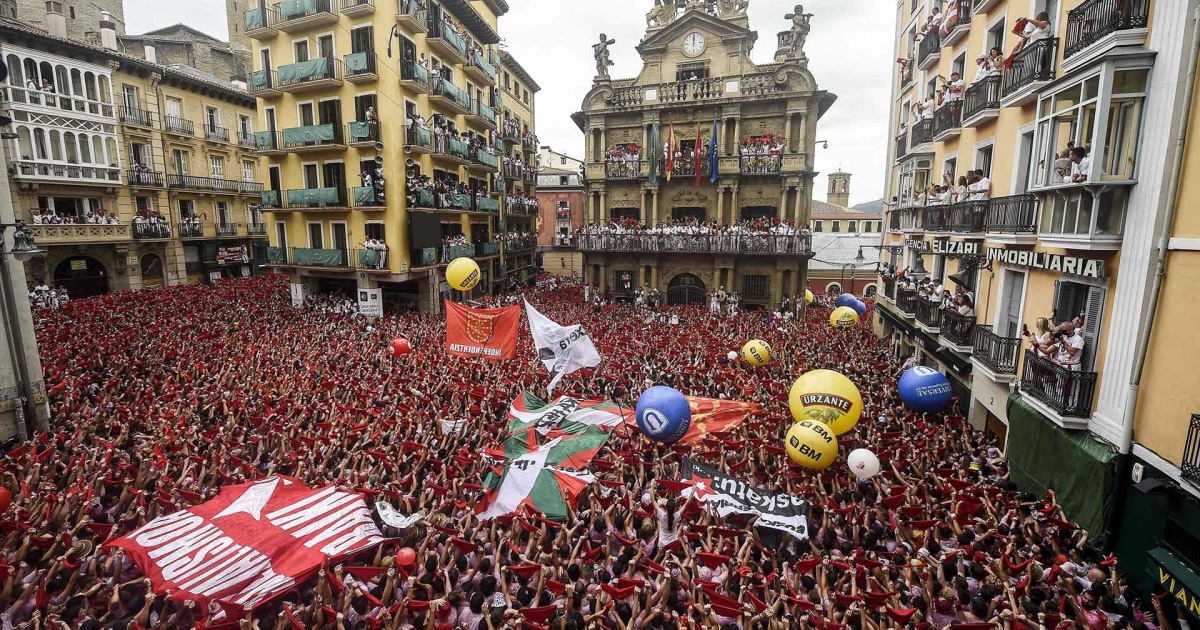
x: 425, y: 257
x: 309, y: 134
x: 357, y: 62
x: 368, y: 258
x: 289, y: 9
x: 304, y: 70
x: 459, y: 251
x: 1177, y: 577
x: 319, y: 257
x: 360, y: 130
x: 461, y: 202
x: 458, y: 148
x: 487, y: 204
x: 420, y: 74
x: 260, y: 79
x: 423, y: 138
x: 312, y: 197
x: 276, y: 255
x: 487, y: 159
x: 424, y: 198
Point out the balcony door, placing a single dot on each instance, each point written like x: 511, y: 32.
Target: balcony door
x: 223, y: 215
x: 300, y: 50
x: 179, y: 160
x: 264, y: 55
x: 1008, y: 323
x: 325, y: 46
x: 335, y: 175
x: 330, y: 112
x: 1075, y: 299
x: 316, y: 236
x: 129, y: 94
x: 341, y: 237
x: 174, y: 107
x: 361, y: 40
x: 141, y: 154
x: 306, y: 114
x: 310, y: 176
x: 276, y: 180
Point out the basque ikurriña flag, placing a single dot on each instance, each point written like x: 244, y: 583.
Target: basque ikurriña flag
x: 536, y: 480
x: 578, y: 440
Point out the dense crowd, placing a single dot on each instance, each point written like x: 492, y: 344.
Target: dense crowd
x: 765, y: 234
x: 161, y: 398
x: 46, y: 216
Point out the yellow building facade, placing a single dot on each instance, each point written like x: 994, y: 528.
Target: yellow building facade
x: 91, y: 169
x: 361, y: 105
x: 1060, y: 116
x: 518, y: 129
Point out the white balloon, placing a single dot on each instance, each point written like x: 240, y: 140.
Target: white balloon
x: 863, y: 463
x: 732, y: 355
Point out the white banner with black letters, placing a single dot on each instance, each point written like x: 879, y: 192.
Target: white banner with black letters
x: 728, y: 495
x: 563, y: 349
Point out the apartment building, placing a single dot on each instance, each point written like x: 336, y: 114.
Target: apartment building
x: 561, y: 201
x: 379, y: 123
x: 517, y: 128
x: 1065, y: 139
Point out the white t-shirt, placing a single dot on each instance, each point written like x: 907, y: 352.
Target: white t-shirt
x: 981, y: 188
x: 954, y: 91
x: 1083, y: 167
x: 1064, y: 356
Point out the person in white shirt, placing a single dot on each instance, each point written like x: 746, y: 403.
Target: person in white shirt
x: 982, y: 187
x: 1069, y: 351
x: 954, y: 88
x: 1081, y: 164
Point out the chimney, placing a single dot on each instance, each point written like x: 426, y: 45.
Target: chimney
x: 108, y: 31
x: 151, y: 54
x: 56, y: 22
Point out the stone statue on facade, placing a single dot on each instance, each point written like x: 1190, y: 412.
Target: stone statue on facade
x: 662, y: 14
x: 601, y: 53
x: 733, y: 7
x: 800, y: 30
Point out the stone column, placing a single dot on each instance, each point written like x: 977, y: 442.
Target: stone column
x: 734, y: 212
x: 796, y: 204
x: 737, y: 136
x: 642, y: 206
x: 654, y: 276
x: 654, y: 202
x: 721, y: 205
x: 591, y: 212
x: 783, y: 195
x: 603, y: 277
x: 603, y: 207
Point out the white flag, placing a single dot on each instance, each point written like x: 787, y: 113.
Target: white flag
x: 563, y: 349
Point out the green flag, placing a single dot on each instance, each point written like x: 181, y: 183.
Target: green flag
x: 655, y: 147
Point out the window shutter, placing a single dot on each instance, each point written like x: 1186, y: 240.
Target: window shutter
x: 1093, y: 311
x: 1062, y: 302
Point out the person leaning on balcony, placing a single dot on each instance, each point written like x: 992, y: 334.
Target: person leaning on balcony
x: 1035, y: 29
x: 1043, y: 341
x: 1068, y: 352
x: 954, y: 88
x: 981, y: 187
x: 1081, y: 164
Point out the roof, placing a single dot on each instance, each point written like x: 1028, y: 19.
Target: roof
x: 471, y: 19
x: 511, y: 63
x: 829, y: 210
x: 833, y: 251
x: 196, y: 73
x: 175, y: 28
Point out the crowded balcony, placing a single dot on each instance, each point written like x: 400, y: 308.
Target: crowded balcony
x: 360, y: 67
x: 449, y: 45
x: 1011, y: 219
x: 1032, y: 67
x: 967, y: 217
x: 85, y: 101
x: 744, y: 243
x: 929, y: 51
x: 906, y: 302
x: 1097, y: 26
x: 256, y: 229
x: 418, y: 140
x: 955, y: 331
x: 364, y: 133
x: 529, y: 142
x: 312, y: 138
x: 300, y: 15
x: 135, y: 116
x: 997, y: 355
x: 519, y: 242
x: 623, y: 170
x: 216, y: 134
x: 444, y: 92
x: 192, y: 228
x: 358, y: 8
x: 48, y: 171
x: 686, y: 166
x: 412, y: 16
x: 428, y: 199
x: 1066, y: 392
x: 981, y: 101
x: 151, y: 230
x: 268, y: 143
x: 178, y: 126
x: 450, y: 149
x: 314, y: 74
x: 947, y: 121
x: 921, y: 134
x: 227, y: 230
x: 245, y: 140
x: 956, y: 22
x: 80, y: 233
x: 487, y: 204
x: 929, y: 316
x: 343, y: 259
x: 770, y: 164
x: 522, y: 206
x: 264, y: 83
x: 329, y: 198
x: 487, y: 249
x: 694, y: 90
x: 176, y: 181
x: 912, y: 219
x: 563, y: 240
x: 936, y: 218
x: 367, y: 198
x: 481, y: 160
x: 482, y: 113
x: 480, y: 68
x: 144, y: 178
x: 261, y: 23
x: 452, y: 252
x: 414, y: 76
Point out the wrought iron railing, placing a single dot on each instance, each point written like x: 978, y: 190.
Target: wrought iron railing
x: 311, y: 71
x: 445, y: 88
x: 947, y: 117
x: 998, y: 354
x: 217, y: 134
x: 415, y: 72
x: 981, y: 96
x: 623, y: 170
x: 175, y: 124
x: 1068, y: 392
x: 961, y: 17
x: 912, y: 219
x: 906, y: 300
x: 686, y: 167
x: 314, y: 136
x: 360, y: 64
x: 227, y: 229
x: 922, y: 132
x: 487, y: 249
x: 1033, y: 63
x: 218, y: 184
x: 1094, y: 20
x: 929, y: 313
x: 190, y: 229
x: 1189, y: 467
x: 762, y: 164
x: 936, y: 218
x: 297, y: 9
x: 144, y: 177
x: 136, y: 116
x: 147, y: 230
x: 967, y: 216
x: 441, y: 31
x: 901, y: 145
x: 260, y: 18
x: 956, y: 327
x: 929, y: 46
x: 256, y: 229
x: 750, y: 244
x: 1015, y: 214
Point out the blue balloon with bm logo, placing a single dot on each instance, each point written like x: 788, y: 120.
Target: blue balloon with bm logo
x: 663, y: 414
x: 925, y: 390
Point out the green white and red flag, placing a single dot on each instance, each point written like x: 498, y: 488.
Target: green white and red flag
x: 535, y: 480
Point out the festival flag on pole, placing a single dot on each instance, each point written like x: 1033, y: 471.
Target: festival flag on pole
x: 712, y: 154
x: 562, y: 349
x: 488, y: 333
x: 535, y: 480
x: 655, y: 148
x: 697, y: 156
x: 669, y: 149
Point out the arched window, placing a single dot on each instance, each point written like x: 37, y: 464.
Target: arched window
x: 31, y: 69
x: 64, y: 86
x: 871, y: 290
x: 25, y: 144
x: 76, y: 82
x: 833, y: 287
x: 56, y: 151
x: 89, y: 85
x: 40, y: 146
x: 71, y: 147
x: 98, y: 156
x: 113, y: 157
x: 105, y: 90
x: 16, y: 77
x: 45, y: 72
x: 85, y: 149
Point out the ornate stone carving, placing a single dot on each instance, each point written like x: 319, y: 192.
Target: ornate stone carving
x: 600, y: 52
x: 662, y: 14
x: 800, y: 30
x: 730, y: 8
x: 690, y: 196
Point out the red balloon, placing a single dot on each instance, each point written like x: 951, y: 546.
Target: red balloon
x: 5, y: 499
x: 400, y: 346
x: 406, y: 557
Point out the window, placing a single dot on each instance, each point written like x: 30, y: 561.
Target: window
x: 316, y: 238
x: 174, y: 107
x: 983, y: 160
x: 72, y: 12
x: 562, y: 160
x: 688, y: 73
x: 129, y: 94
x: 244, y: 125
x: 995, y: 36
x: 1075, y: 299
x: 325, y: 46
x: 525, y: 96
x: 818, y: 226
x: 361, y: 39
x: 950, y: 168
x: 212, y: 117
x: 179, y: 160
x: 141, y: 154
x: 564, y: 180
x: 300, y: 51
x: 853, y: 227
x: 311, y: 175
x: 305, y: 112
x: 506, y: 81
x: 281, y: 235
x: 144, y: 204
x: 837, y: 226
x: 187, y: 208
x: 222, y: 211
x: 216, y: 165
x: 374, y: 230
x: 247, y: 170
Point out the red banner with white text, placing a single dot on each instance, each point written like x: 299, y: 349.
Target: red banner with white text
x: 487, y: 333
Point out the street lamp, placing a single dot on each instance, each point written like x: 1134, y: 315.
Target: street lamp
x: 23, y: 250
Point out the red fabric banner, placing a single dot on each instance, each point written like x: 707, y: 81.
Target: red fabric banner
x: 709, y: 416
x: 252, y: 542
x: 489, y: 333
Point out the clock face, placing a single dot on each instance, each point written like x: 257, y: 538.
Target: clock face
x: 693, y: 44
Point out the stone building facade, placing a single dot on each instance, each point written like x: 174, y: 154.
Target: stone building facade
x: 698, y: 75
x: 180, y: 44
x: 82, y: 17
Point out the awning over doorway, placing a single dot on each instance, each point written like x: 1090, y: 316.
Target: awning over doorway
x: 1177, y: 578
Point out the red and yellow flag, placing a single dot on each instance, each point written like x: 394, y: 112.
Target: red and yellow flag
x: 489, y: 333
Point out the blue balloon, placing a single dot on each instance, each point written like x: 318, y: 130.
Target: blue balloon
x: 925, y: 390
x: 859, y: 307
x: 846, y: 299
x: 663, y: 414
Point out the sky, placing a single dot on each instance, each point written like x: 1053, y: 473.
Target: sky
x: 849, y: 52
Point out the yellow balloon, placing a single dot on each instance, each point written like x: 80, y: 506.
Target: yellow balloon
x: 811, y: 444
x: 756, y: 352
x: 462, y: 274
x: 828, y: 397
x: 808, y: 296
x: 843, y: 317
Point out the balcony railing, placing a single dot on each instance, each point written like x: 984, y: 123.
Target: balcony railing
x: 1034, y: 63
x: 947, y: 118
x: 749, y: 244
x: 51, y: 100
x: 227, y: 229
x: 956, y: 327
x: 149, y: 231
x: 479, y: 62
x: 316, y: 198
x: 296, y: 9
x: 922, y: 132
x: 957, y: 23
x: 268, y: 141
x: 981, y: 96
x: 515, y: 244
x: 889, y: 289
x: 693, y: 90
x: 1015, y: 214
x: 367, y: 197
x: 360, y: 65
x: 136, y: 116
x: 1068, y: 392
x: 762, y: 164
x: 271, y: 199
x: 80, y: 233
x: 523, y: 207
x: 487, y: 249
x: 967, y: 216
x: 929, y: 314
x: 928, y: 47
x: 30, y: 169
x: 256, y: 229
x: 177, y: 125
x: 217, y: 184
x: 998, y: 354
x: 413, y: 15
x: 217, y: 134
x: 686, y: 167
x: 487, y: 204
x: 449, y: 40
x: 457, y: 251
x: 1096, y: 19
x: 445, y: 88
x: 936, y: 218
x: 427, y: 199
x: 191, y: 229
x: 482, y: 110
x: 483, y: 157
x: 418, y: 137
x: 364, y: 132
x: 144, y: 178
x: 1189, y: 467
x: 297, y: 74
x: 260, y: 19
x: 624, y: 170
x: 415, y: 72
x: 263, y: 82
x: 313, y: 257
x: 901, y: 145
x: 354, y: 7
x: 906, y: 300
x: 912, y: 219
x: 246, y: 139
x: 906, y: 73
x: 314, y: 136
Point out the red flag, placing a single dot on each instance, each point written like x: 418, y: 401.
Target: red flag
x: 670, y: 148
x: 711, y: 415
x: 489, y: 333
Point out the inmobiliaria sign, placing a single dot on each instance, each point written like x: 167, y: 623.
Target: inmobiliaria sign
x: 250, y: 543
